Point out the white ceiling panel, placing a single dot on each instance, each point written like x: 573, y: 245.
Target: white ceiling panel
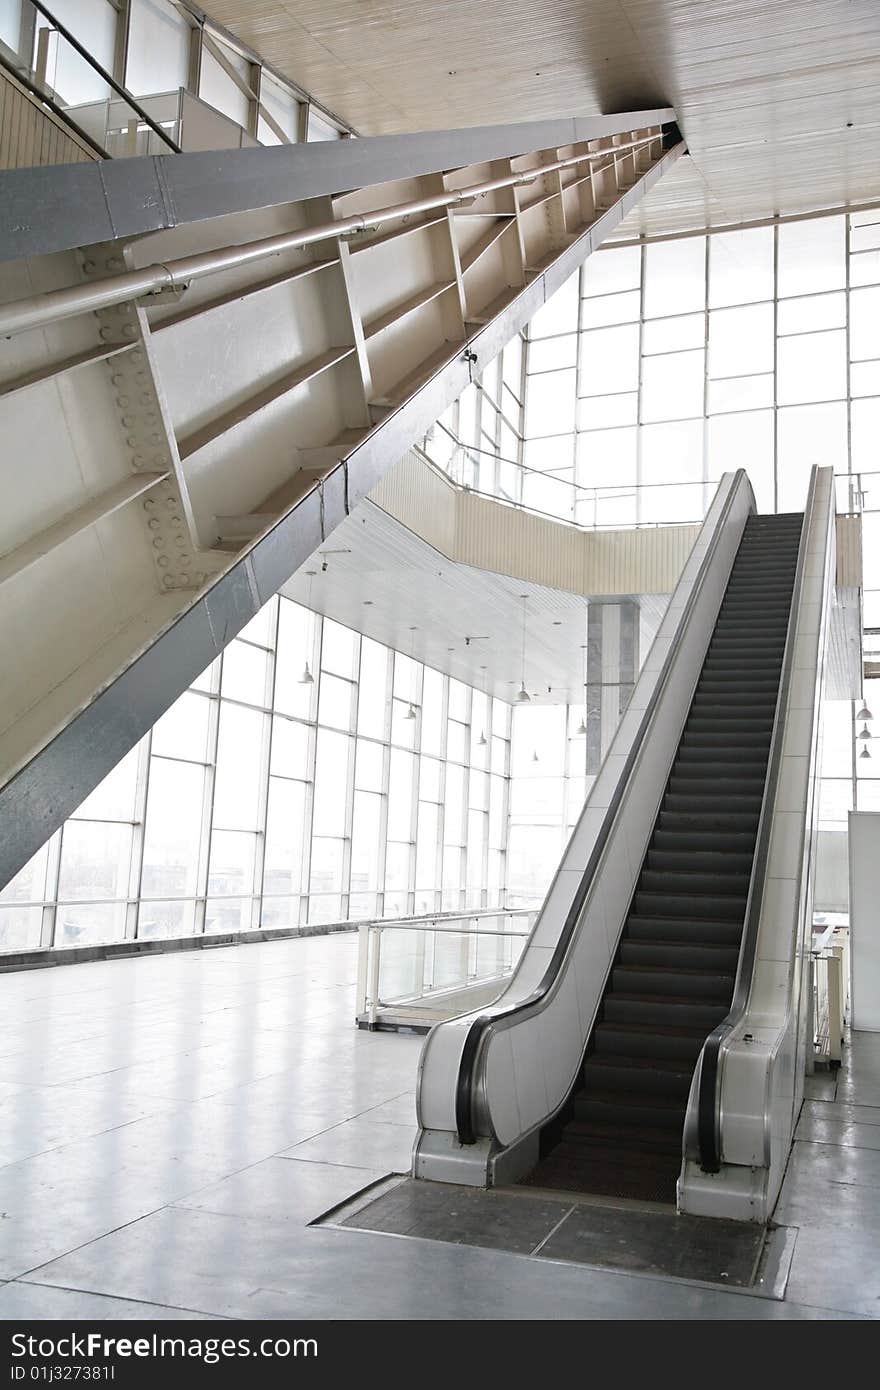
x: 776, y: 98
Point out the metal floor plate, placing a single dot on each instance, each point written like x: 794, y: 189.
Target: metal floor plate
x: 634, y: 1237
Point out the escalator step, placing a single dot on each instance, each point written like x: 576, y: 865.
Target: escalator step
x: 719, y: 786
x: 699, y: 984
x: 682, y: 820
x: 692, y: 804
x: 703, y: 840
x: 698, y: 859
x: 639, y: 1108
x: 723, y: 932
x: 665, y: 1077
x: 680, y: 955
x: 689, y: 883
x: 636, y: 1039
x: 705, y: 762
x: 727, y: 906
x: 621, y: 1007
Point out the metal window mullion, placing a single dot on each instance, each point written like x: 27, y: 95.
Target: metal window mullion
x: 311, y: 770
x: 348, y: 816
x: 121, y: 40
x: 50, y: 888
x: 138, y: 835
x: 706, y: 272
x: 265, y: 772
x: 208, y: 785
x: 441, y: 809
x: 382, y: 849
x: 414, y: 797
x: 194, y: 58
x: 643, y: 260
x: 466, y: 792
x: 775, y: 368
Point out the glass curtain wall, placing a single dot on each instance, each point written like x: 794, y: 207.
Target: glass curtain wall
x: 262, y: 799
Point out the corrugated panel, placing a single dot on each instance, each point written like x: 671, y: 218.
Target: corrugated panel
x: 30, y: 135
x: 849, y: 552
x: 489, y: 535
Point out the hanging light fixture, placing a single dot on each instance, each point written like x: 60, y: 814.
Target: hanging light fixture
x: 522, y: 695
x: 535, y: 758
x: 864, y: 712
x: 865, y: 734
x: 307, y: 678
x: 865, y: 752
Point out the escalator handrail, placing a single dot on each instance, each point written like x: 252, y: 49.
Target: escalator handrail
x: 464, y: 1091
x: 708, y: 1096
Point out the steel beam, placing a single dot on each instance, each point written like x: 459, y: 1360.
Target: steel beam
x: 378, y: 407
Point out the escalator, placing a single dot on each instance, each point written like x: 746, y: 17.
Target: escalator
x: 672, y: 980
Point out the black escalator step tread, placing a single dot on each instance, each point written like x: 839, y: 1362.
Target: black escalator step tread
x: 700, y: 723
x: 645, y: 1040
x: 636, y: 1176
x: 699, y: 860
x: 690, y: 759
x: 622, y: 1007
x: 721, y: 786
x: 699, y: 929
x: 758, y: 715
x: 684, y: 882
x: 703, y: 840
x: 730, y: 719
x: 680, y: 955
x: 635, y: 1136
x: 730, y: 738
x: 754, y: 705
x: 697, y: 984
x: 683, y: 821
x: 727, y: 906
x: 695, y: 802
x: 619, y: 1075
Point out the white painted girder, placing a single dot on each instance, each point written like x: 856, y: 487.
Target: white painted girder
x: 266, y: 399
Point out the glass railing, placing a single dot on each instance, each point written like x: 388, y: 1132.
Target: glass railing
x: 415, y: 971
x: 52, y: 63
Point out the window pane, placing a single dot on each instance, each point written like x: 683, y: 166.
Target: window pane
x: 609, y: 362
x: 239, y: 759
x: 550, y: 403
x: 811, y: 367
x: 232, y: 863
x: 113, y: 799
x: 675, y: 273
x: 335, y: 702
x: 618, y: 268
x: 811, y: 256
x: 160, y: 920
x: 559, y: 314
x: 365, y: 842
x: 741, y: 340
x: 296, y: 642
x: 83, y: 924
x: 183, y: 731
x: 326, y: 871
x: 741, y: 266
x: 290, y: 748
x: 672, y: 387
x: 245, y: 673
x: 331, y: 780
x: 173, y: 830
x: 282, y: 870
x: 95, y: 860
x: 339, y: 649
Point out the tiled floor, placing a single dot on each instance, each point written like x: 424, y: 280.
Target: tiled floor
x: 169, y: 1125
